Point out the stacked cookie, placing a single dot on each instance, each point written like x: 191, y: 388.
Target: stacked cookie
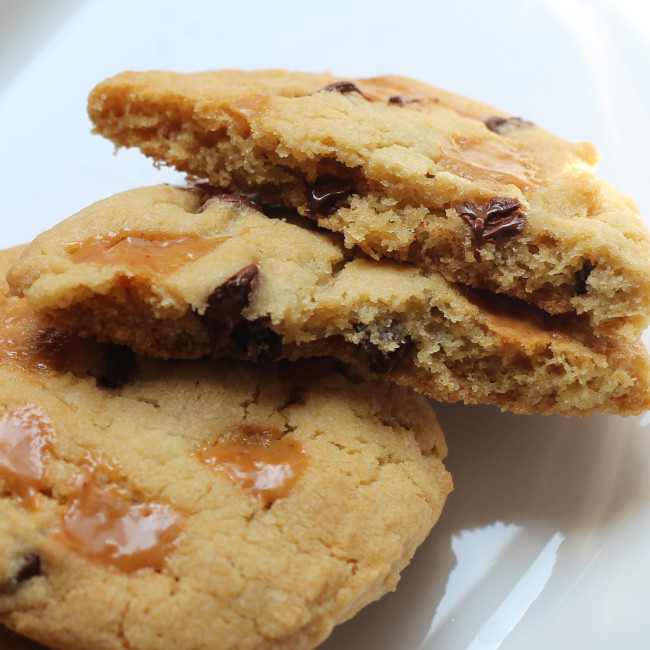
x: 208, y: 404
x: 182, y: 273
x: 190, y: 504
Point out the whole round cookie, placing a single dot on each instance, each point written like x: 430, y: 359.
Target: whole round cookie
x: 407, y: 171
x: 150, y: 504
x: 181, y: 273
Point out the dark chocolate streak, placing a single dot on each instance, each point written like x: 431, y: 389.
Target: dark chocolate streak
x: 499, y: 218
x: 326, y: 192
x: 499, y: 124
x: 342, y: 87
x: 230, y: 198
x: 31, y: 567
x: 256, y: 201
x: 398, y: 100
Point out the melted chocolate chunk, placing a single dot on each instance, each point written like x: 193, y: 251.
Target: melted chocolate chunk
x: 118, y: 366
x: 326, y: 192
x: 500, y: 124
x: 398, y: 100
x: 343, y: 87
x: 209, y: 192
x: 226, y: 303
x: 280, y: 212
x: 581, y: 278
x: 30, y: 568
x: 379, y: 360
x: 262, y: 201
x: 499, y: 218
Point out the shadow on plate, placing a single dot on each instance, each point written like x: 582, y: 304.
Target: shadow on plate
x: 522, y: 485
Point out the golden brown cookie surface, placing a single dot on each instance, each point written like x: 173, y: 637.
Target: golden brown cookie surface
x: 205, y: 504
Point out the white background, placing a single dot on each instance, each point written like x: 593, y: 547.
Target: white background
x: 544, y: 542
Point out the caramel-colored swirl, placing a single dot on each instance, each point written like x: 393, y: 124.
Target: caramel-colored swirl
x: 146, y: 254
x: 491, y: 160
x: 26, y: 437
x: 262, y: 461
x: 104, y: 525
x: 518, y: 322
x: 17, y: 331
x: 25, y: 343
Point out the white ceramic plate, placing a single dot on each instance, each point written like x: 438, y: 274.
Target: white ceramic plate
x: 544, y: 542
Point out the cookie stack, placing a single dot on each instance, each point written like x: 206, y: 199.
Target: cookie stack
x: 208, y: 397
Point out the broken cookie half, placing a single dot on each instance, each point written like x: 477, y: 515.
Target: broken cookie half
x: 405, y: 171
x: 185, y: 273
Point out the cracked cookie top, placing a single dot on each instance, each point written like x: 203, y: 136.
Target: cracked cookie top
x: 200, y: 503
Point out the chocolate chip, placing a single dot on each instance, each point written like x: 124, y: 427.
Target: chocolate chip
x: 500, y: 124
x: 226, y: 303
x: 326, y: 192
x: 205, y: 191
x: 229, y: 329
x: 398, y: 100
x: 581, y: 278
x: 230, y: 198
x: 262, y: 201
x: 499, y: 218
x: 30, y: 568
x: 342, y: 87
x: 378, y: 359
x: 118, y: 366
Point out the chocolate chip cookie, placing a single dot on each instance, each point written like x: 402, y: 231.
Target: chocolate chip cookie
x: 404, y: 171
x: 186, y: 273
x: 196, y: 505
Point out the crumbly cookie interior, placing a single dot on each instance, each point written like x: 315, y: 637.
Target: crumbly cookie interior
x: 410, y: 164
x: 266, y: 288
